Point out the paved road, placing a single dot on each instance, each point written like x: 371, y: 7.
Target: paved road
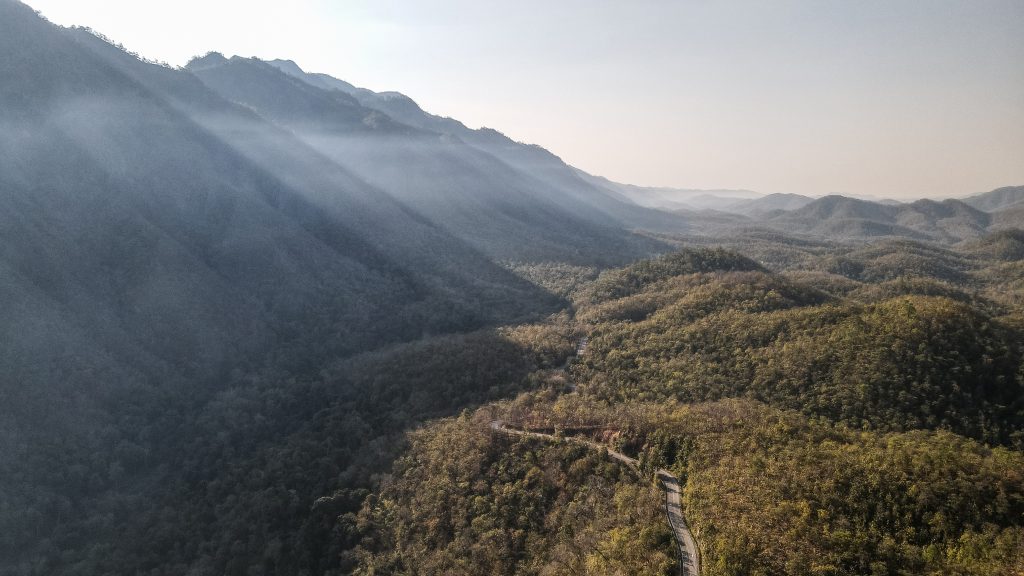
x: 687, y: 546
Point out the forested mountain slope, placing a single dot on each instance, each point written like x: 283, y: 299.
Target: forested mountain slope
x: 507, y: 212
x: 167, y: 257
x: 102, y: 172
x: 558, y: 182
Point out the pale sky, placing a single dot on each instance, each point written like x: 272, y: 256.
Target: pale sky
x: 894, y: 98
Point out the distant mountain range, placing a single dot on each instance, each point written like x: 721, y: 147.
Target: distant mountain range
x: 724, y: 212
x: 672, y: 198
x: 275, y: 198
x: 638, y: 207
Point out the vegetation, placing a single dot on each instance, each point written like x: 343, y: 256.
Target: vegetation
x: 253, y: 480
x: 769, y: 491
x: 821, y: 423
x: 467, y: 500
x: 904, y: 363
x: 558, y: 278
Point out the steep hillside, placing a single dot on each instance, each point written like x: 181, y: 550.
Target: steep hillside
x: 167, y: 257
x: 466, y: 501
x: 203, y: 248
x: 559, y: 183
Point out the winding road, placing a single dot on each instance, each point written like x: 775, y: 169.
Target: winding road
x: 686, y: 545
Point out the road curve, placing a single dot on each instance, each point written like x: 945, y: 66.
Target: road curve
x: 686, y: 545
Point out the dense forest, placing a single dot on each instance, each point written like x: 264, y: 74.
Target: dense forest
x: 771, y: 491
x: 466, y: 500
x: 822, y: 423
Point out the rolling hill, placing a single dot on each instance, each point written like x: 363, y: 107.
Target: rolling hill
x: 840, y: 217
x: 766, y: 204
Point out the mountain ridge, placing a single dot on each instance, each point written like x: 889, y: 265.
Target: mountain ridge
x: 998, y: 199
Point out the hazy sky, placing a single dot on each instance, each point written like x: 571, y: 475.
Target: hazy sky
x: 888, y: 97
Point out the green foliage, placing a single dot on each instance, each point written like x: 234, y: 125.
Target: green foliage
x: 858, y: 463
x: 467, y: 500
x: 252, y: 480
x: 773, y: 492
x: 558, y: 278
x: 636, y: 277
x: 899, y: 363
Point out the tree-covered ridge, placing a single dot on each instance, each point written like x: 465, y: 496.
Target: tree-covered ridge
x: 635, y: 277
x: 465, y: 499
x: 912, y: 352
x: 769, y: 491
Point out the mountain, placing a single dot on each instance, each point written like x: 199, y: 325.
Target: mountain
x: 534, y: 170
x: 166, y: 251
x: 842, y: 218
x: 998, y: 199
x: 110, y: 164
x: 1008, y: 218
x: 324, y: 81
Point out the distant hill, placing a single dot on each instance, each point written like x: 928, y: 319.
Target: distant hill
x: 673, y: 199
x: 769, y: 203
x: 998, y: 199
x: 841, y: 217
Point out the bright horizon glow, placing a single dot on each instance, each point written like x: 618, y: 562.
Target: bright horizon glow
x: 884, y: 98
